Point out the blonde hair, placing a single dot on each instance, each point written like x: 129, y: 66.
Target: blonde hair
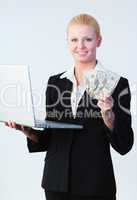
x: 85, y: 19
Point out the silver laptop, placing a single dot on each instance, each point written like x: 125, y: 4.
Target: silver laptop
x: 16, y: 99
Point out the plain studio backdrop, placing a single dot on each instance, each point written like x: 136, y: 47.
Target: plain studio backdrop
x: 33, y: 32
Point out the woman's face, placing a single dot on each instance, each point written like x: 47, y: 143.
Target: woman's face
x: 82, y: 42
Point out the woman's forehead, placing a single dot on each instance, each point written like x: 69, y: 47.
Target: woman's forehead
x: 81, y: 30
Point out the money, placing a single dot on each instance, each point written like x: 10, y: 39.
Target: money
x: 101, y: 82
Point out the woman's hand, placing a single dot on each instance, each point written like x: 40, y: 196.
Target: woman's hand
x: 28, y: 131
x: 106, y: 104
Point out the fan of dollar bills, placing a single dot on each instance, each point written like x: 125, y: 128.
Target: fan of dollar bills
x: 101, y: 82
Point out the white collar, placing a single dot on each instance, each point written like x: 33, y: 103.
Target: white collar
x: 69, y: 74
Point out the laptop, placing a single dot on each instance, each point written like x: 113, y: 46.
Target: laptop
x: 16, y: 99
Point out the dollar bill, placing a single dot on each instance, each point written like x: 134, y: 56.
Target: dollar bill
x: 101, y: 82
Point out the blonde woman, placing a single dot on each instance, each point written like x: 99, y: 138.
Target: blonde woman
x: 78, y: 163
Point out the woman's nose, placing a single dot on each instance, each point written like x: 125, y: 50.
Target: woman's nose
x: 81, y: 44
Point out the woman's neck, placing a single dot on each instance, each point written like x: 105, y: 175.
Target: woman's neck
x: 85, y: 66
x: 80, y: 68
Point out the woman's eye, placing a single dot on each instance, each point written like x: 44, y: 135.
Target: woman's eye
x: 89, y: 39
x: 73, y: 40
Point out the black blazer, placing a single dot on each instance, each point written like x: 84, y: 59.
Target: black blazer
x: 79, y: 160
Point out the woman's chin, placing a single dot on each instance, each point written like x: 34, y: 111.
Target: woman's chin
x: 82, y: 60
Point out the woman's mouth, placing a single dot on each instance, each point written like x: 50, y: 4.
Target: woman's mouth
x: 82, y: 53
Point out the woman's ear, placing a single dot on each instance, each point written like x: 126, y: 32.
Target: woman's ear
x: 99, y: 40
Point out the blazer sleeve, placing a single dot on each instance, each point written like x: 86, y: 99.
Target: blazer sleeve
x: 44, y: 135
x: 121, y: 138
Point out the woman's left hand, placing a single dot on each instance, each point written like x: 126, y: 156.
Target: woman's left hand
x: 106, y: 104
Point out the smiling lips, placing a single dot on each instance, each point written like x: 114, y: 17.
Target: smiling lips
x: 82, y: 53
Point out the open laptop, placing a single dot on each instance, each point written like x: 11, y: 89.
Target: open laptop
x: 16, y: 99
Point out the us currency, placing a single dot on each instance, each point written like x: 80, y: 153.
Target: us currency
x: 101, y: 82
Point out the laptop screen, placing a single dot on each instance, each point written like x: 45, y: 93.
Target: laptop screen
x: 16, y: 94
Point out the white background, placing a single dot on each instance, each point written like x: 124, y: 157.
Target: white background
x: 33, y: 32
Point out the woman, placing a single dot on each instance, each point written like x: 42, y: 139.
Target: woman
x: 78, y: 163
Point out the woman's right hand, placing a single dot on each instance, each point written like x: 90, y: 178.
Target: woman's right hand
x: 28, y: 131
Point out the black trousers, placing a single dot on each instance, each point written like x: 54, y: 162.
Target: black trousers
x: 68, y: 196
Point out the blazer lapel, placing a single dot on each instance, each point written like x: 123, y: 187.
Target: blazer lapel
x: 65, y: 91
